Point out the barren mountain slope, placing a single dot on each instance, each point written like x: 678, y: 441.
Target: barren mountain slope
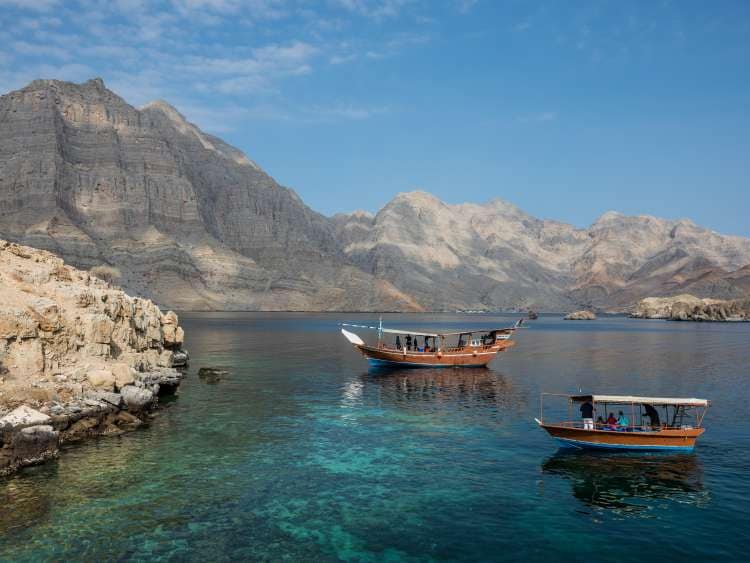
x: 193, y: 223
x: 496, y: 256
x: 188, y: 219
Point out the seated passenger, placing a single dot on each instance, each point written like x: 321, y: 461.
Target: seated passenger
x: 612, y: 421
x: 600, y: 423
x: 623, y: 421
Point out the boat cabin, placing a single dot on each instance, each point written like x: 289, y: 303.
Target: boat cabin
x: 625, y: 421
x: 432, y: 349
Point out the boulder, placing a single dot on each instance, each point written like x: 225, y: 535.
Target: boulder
x: 136, y: 398
x: 173, y: 335
x: 98, y: 328
x: 101, y: 379
x: 180, y: 358
x: 25, y: 357
x: 169, y: 318
x: 23, y: 416
x: 114, y: 399
x: 124, y: 375
x: 16, y: 323
x: 580, y: 316
x: 33, y: 444
x: 46, y: 313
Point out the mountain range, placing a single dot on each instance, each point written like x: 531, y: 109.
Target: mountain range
x: 193, y: 223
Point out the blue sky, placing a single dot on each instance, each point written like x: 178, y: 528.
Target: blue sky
x: 565, y: 108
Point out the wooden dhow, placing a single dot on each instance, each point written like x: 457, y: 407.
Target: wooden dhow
x: 678, y: 430
x: 411, y: 348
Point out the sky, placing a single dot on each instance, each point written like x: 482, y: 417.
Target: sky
x: 567, y: 109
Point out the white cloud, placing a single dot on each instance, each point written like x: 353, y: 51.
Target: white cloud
x: 374, y: 9
x: 342, y: 59
x: 35, y: 5
x: 466, y: 6
x: 36, y: 50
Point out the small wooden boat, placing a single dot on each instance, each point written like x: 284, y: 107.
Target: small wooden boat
x: 678, y: 432
x: 474, y: 348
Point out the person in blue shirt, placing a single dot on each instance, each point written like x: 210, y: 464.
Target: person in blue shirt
x: 622, y: 421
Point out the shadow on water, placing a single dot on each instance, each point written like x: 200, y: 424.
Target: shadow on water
x: 630, y: 484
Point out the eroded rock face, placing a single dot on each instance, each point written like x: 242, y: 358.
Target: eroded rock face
x: 192, y: 222
x: 691, y: 308
x: 187, y: 219
x: 74, y: 332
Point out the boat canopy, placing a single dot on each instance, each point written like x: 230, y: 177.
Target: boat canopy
x: 429, y: 334
x: 628, y: 399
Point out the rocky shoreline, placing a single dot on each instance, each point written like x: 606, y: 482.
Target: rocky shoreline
x: 78, y: 357
x: 691, y: 308
x: 29, y: 436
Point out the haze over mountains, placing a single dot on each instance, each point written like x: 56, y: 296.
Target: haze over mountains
x: 194, y: 224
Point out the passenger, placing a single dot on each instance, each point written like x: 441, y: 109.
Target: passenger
x: 398, y: 342
x: 408, y: 342
x: 612, y: 421
x: 623, y: 421
x: 653, y: 415
x: 587, y: 413
x: 600, y: 423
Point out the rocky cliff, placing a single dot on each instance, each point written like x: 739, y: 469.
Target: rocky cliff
x: 495, y: 256
x: 77, y: 357
x: 192, y: 222
x: 691, y: 308
x: 187, y: 219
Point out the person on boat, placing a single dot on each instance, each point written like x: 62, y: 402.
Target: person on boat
x: 408, y: 342
x: 587, y: 413
x: 398, y: 342
x: 622, y: 421
x: 653, y: 415
x: 612, y: 421
x: 600, y: 423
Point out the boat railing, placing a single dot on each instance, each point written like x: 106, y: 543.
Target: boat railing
x: 446, y: 350
x: 615, y: 428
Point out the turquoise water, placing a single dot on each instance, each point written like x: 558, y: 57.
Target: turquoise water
x: 300, y: 453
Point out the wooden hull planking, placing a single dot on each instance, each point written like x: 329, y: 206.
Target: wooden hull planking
x: 466, y: 357
x: 677, y: 439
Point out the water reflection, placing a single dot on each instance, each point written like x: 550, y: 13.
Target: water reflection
x: 630, y: 484
x: 464, y: 387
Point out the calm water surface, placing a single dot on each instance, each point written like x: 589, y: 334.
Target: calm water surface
x: 303, y: 454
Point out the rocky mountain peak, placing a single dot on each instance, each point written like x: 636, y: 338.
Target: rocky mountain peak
x: 186, y: 128
x: 190, y: 221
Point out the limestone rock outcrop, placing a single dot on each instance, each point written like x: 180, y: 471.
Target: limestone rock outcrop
x: 580, y: 316
x: 691, y: 308
x: 74, y: 351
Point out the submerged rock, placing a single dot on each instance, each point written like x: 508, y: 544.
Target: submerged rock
x: 213, y: 374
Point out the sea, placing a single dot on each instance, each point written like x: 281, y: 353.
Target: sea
x: 299, y: 452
